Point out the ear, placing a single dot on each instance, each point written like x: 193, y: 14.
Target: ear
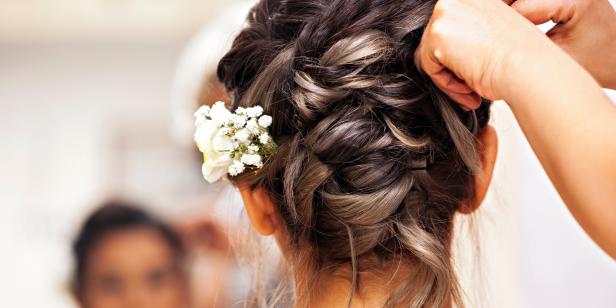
x: 260, y: 208
x: 488, y: 149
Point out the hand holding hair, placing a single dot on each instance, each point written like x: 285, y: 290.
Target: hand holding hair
x: 467, y: 48
x: 484, y: 47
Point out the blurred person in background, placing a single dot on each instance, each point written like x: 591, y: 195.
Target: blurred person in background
x: 213, y: 271
x: 124, y: 257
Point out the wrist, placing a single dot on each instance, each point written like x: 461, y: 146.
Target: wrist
x: 524, y: 67
x: 546, y: 74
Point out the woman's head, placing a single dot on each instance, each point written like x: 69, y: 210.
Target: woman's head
x: 373, y: 160
x: 126, y: 258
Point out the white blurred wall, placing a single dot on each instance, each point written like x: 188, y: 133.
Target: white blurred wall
x: 79, y: 123
x: 84, y: 100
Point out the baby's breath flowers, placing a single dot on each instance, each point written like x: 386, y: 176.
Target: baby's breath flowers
x: 232, y: 142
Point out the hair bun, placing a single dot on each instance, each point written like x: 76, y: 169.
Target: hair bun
x: 356, y: 124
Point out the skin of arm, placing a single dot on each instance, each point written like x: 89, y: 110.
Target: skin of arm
x: 484, y: 47
x: 571, y: 126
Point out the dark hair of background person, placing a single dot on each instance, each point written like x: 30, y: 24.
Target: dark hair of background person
x: 110, y: 217
x: 373, y: 160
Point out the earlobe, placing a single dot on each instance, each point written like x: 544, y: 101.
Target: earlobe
x: 260, y: 209
x: 488, y: 148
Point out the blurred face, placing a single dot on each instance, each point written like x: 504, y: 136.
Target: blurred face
x: 133, y: 268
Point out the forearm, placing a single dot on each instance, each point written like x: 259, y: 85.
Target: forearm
x: 571, y: 125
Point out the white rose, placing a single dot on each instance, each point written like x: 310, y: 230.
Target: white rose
x: 215, y: 146
x: 222, y: 135
x: 204, y: 133
x: 213, y: 170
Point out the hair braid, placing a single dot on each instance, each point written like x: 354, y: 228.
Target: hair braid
x: 373, y: 159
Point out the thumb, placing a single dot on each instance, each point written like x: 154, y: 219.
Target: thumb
x: 536, y: 11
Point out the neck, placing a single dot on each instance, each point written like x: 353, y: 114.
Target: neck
x: 333, y: 287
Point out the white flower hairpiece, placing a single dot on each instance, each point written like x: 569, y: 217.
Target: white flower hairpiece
x: 232, y: 142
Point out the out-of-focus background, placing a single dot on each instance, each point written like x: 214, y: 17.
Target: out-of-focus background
x: 95, y: 102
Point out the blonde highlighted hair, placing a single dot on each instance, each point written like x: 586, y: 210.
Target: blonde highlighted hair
x: 373, y: 159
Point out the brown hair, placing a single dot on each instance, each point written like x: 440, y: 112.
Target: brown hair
x: 373, y: 159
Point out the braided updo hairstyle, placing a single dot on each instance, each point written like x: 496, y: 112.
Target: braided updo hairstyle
x: 373, y: 160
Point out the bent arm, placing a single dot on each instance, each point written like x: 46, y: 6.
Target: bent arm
x: 571, y: 125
